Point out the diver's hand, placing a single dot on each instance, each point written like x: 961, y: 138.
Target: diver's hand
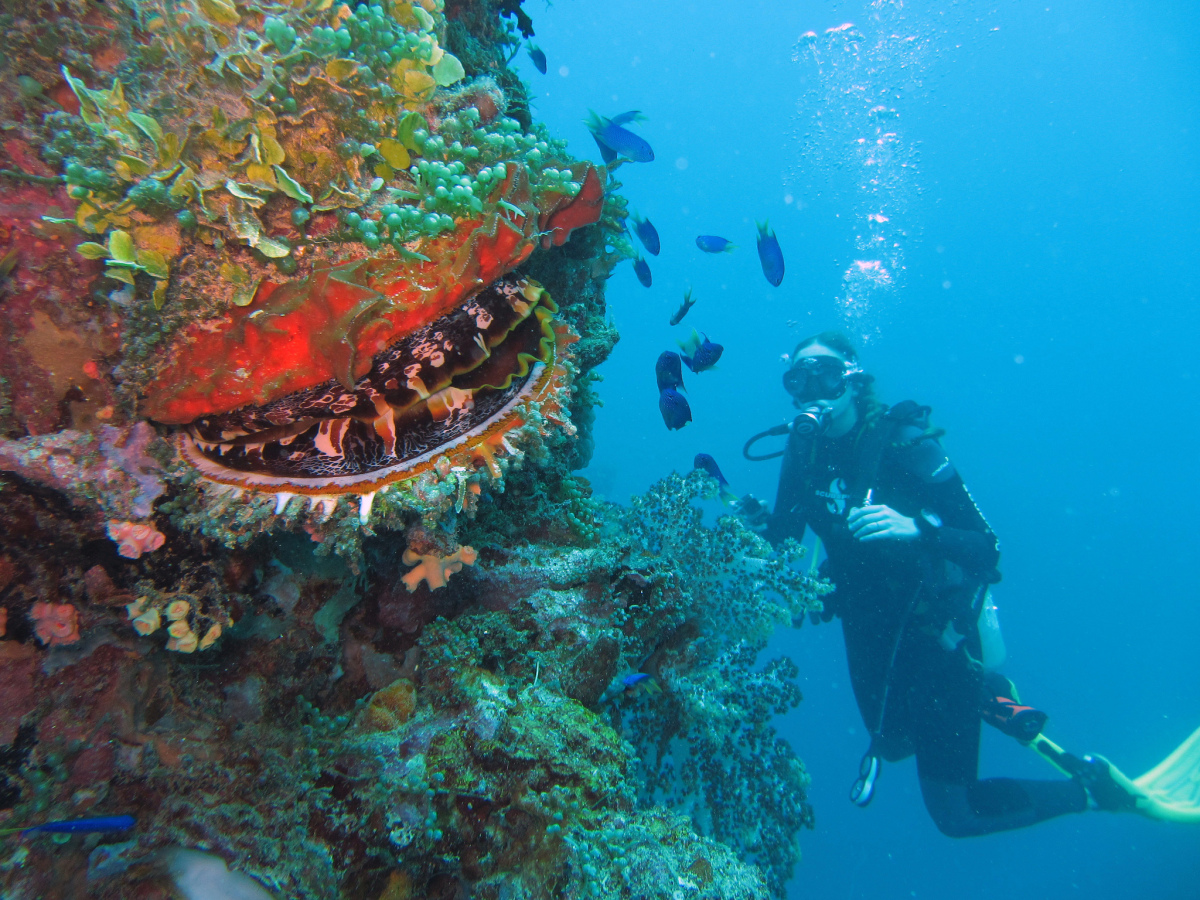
x: 879, y: 523
x: 753, y: 512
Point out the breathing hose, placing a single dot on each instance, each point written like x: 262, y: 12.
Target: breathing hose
x: 777, y: 431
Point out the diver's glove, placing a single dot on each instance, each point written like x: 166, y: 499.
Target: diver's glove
x: 753, y: 512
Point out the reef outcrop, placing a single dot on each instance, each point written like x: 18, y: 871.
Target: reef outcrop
x: 301, y: 316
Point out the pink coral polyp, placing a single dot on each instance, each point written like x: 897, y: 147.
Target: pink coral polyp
x: 134, y: 539
x: 55, y: 623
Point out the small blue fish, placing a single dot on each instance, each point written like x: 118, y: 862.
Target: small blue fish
x: 615, y: 140
x: 668, y: 371
x: 632, y: 682
x: 647, y: 234
x: 708, y: 464
x: 687, y: 304
x: 77, y: 826
x: 674, y: 408
x: 710, y: 243
x: 643, y: 272
x: 769, y: 254
x: 607, y: 154
x: 700, y: 354
x: 538, y: 57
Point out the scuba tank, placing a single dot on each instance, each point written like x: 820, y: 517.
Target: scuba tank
x: 990, y: 639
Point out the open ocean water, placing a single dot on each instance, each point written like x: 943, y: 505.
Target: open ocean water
x: 1039, y: 270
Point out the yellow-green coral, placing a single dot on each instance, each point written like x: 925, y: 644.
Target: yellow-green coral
x: 192, y: 623
x: 253, y: 125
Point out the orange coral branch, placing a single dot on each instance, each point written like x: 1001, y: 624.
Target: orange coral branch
x: 434, y: 569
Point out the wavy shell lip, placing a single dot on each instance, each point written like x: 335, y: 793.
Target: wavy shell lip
x: 489, y: 429
x: 421, y: 364
x: 371, y: 372
x: 300, y: 334
x: 494, y: 355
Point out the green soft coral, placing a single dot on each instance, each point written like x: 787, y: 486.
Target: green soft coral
x: 247, y: 117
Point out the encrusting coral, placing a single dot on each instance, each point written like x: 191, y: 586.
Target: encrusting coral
x: 480, y: 745
x: 111, y: 471
x: 349, y: 181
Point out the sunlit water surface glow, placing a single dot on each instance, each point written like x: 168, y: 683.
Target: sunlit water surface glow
x: 865, y: 74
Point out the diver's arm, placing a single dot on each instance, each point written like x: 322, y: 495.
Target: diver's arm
x: 782, y: 526
x: 951, y: 524
x: 788, y: 518
x: 963, y: 536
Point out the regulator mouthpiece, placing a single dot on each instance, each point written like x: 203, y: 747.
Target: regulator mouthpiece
x: 812, y: 421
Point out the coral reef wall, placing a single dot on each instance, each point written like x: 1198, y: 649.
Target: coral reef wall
x: 300, y: 316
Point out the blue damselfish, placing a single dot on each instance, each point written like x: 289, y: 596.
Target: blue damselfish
x: 643, y: 272
x: 669, y: 371
x: 674, y: 408
x: 647, y: 234
x: 711, y: 243
x: 614, y: 140
x: 769, y: 254
x: 700, y: 353
x: 683, y: 307
x: 538, y: 57
x: 708, y: 464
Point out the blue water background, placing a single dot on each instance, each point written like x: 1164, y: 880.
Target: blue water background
x: 1049, y: 315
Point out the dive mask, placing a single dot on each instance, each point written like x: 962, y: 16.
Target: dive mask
x: 818, y: 377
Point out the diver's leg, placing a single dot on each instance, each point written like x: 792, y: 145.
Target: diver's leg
x: 946, y: 733
x: 1001, y: 708
x: 998, y: 804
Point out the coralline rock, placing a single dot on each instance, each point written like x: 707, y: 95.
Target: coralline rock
x: 51, y: 346
x: 110, y: 473
x: 491, y: 764
x: 127, y: 450
x: 18, y: 665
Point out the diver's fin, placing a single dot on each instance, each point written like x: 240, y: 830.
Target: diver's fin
x: 1174, y: 784
x: 1170, y: 791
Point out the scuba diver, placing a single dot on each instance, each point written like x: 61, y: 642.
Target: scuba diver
x: 912, y: 560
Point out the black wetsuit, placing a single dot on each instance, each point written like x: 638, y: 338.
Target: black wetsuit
x: 896, y: 598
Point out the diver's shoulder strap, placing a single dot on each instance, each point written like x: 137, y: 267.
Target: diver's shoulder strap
x: 909, y: 412
x: 876, y: 439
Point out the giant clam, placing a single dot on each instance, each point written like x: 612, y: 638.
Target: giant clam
x: 373, y: 371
